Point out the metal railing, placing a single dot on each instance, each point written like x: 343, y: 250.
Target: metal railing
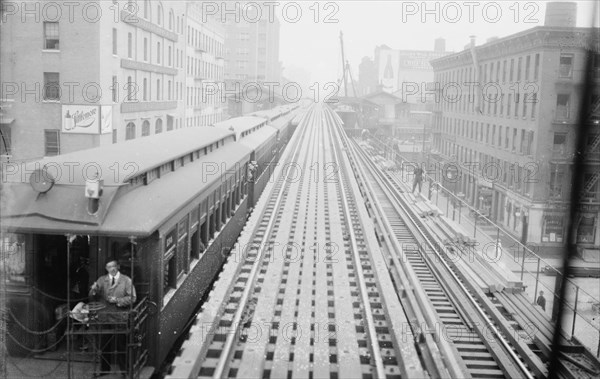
x: 531, y: 264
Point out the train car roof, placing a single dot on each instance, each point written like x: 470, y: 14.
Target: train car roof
x: 138, y: 212
x: 269, y: 114
x: 123, y: 210
x: 240, y: 124
x: 140, y: 155
x: 282, y: 121
x: 298, y: 118
x: 258, y: 138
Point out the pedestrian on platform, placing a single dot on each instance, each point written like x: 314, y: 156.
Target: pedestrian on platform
x: 541, y: 301
x: 418, y: 179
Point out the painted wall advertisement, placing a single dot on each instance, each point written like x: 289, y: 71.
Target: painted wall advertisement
x: 86, y: 119
x: 388, y: 70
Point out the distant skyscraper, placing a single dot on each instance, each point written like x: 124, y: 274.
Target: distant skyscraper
x: 252, y: 49
x: 367, y: 76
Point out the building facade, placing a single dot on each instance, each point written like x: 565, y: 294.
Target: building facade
x: 367, y: 77
x: 204, y: 67
x: 110, y: 72
x: 396, y: 67
x: 106, y: 75
x: 512, y: 138
x: 252, y: 48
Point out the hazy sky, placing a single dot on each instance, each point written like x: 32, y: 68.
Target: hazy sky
x: 313, y: 44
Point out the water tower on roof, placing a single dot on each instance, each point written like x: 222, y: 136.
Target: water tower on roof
x: 561, y: 14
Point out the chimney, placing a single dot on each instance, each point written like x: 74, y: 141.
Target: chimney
x: 561, y: 14
x: 439, y: 45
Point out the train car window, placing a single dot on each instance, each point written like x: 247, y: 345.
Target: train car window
x: 182, y: 250
x: 203, y: 209
x: 170, y: 272
x: 194, y: 217
x: 151, y: 175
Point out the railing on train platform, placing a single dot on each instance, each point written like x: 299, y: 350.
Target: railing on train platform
x: 113, y: 337
x: 520, y: 252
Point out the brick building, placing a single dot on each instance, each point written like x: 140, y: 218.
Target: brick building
x: 515, y: 151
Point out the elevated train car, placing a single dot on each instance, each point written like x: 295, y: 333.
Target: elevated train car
x: 280, y: 118
x: 263, y: 141
x: 168, y: 207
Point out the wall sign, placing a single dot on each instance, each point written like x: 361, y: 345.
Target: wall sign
x: 81, y: 119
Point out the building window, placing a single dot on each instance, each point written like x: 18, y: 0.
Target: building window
x: 586, y: 229
x: 553, y: 228
x: 159, y: 17
x: 171, y: 20
x: 519, y: 67
x: 129, y: 89
x: 146, y: 49
x: 5, y: 139
x: 147, y: 9
x: 114, y: 136
x: 514, y: 139
x: 566, y: 66
x: 51, y: 41
x: 158, y: 52
x: 114, y: 41
x: 562, y: 106
x: 157, y: 89
x: 536, y: 70
x: 533, y: 105
x: 559, y: 143
x: 51, y: 86
x: 596, y: 68
x: 145, y: 89
x: 158, y: 126
x: 169, y: 123
x: 556, y: 181
x: 115, y: 90
x: 129, y: 45
x: 590, y: 186
x: 51, y: 142
x: 512, y: 70
x: 130, y: 131
x: 529, y: 148
x: 527, y: 64
x: 170, y: 57
x: 145, y: 128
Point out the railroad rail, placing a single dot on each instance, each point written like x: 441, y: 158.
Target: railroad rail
x: 483, y: 348
x: 506, y: 314
x: 338, y: 275
x: 324, y: 305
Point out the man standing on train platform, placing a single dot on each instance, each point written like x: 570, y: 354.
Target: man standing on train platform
x: 117, y: 292
x: 114, y: 288
x: 541, y: 301
x: 418, y: 180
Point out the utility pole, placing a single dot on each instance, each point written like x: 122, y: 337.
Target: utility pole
x: 344, y: 65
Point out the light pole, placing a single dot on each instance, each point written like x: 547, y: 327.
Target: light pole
x: 476, y: 216
x: 524, y: 226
